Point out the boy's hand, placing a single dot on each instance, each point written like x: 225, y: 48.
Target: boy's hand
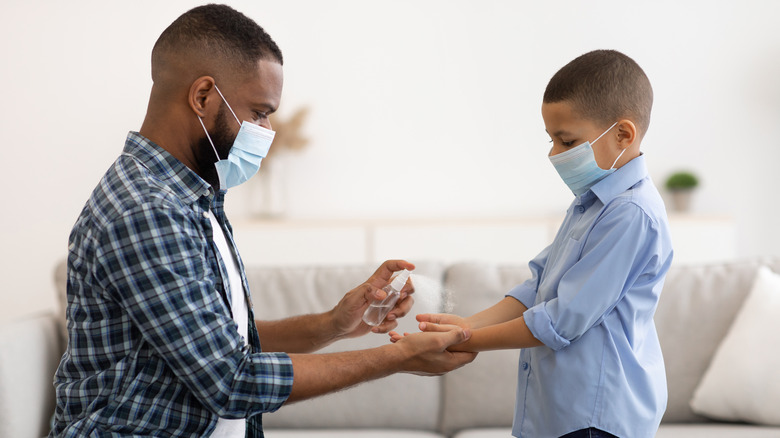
x: 437, y: 322
x: 433, y: 322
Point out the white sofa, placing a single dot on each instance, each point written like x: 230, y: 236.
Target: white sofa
x: 696, y: 310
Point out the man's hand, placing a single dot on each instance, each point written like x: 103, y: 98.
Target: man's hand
x: 348, y: 313
x: 421, y: 353
x: 429, y: 354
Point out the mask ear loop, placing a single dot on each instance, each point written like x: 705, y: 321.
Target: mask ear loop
x: 594, y: 141
x: 597, y: 139
x: 616, y: 159
x: 239, y: 121
x: 208, y: 136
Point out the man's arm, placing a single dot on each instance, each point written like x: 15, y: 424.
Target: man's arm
x: 309, y: 333
x: 420, y: 353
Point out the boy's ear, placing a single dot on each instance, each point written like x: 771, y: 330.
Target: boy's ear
x: 627, y: 133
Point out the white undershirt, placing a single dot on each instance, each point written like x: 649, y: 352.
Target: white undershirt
x: 228, y: 428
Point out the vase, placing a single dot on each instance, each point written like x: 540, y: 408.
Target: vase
x: 268, y: 197
x: 681, y: 200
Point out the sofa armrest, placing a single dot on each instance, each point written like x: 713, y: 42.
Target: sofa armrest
x: 29, y: 354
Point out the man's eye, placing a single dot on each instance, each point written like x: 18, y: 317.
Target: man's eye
x: 567, y: 143
x: 260, y: 116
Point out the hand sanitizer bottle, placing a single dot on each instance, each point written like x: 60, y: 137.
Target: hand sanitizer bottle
x: 377, y: 311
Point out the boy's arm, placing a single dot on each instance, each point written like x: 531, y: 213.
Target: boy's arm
x: 500, y: 327
x: 507, y: 335
x: 505, y: 310
x: 496, y: 328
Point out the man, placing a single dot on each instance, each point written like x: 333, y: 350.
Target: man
x: 160, y: 324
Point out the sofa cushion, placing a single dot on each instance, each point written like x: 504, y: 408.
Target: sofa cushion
x: 716, y: 430
x: 487, y: 432
x: 349, y: 433
x: 481, y: 394
x: 283, y: 292
x: 29, y: 354
x: 743, y: 381
x: 696, y: 309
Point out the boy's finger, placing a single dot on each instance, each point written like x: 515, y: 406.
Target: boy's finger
x: 433, y: 327
x: 429, y: 317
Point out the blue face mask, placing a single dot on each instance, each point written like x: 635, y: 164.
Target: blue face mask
x: 577, y: 166
x: 249, y: 148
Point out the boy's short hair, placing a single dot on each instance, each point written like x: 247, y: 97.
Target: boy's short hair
x: 604, y: 86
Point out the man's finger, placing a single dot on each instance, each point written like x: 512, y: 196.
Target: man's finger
x: 389, y: 267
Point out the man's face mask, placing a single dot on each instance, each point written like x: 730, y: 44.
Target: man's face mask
x: 249, y: 148
x: 577, y: 166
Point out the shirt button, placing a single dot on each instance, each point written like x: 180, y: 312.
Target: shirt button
x: 580, y: 209
x: 525, y: 365
x: 206, y: 214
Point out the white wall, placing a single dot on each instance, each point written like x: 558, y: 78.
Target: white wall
x: 435, y: 103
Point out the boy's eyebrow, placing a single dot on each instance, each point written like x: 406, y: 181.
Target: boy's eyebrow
x: 558, y: 133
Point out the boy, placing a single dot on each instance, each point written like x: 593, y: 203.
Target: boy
x: 596, y: 369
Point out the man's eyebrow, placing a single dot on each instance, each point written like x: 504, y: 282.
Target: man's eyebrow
x: 266, y: 106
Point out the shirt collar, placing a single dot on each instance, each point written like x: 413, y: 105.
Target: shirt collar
x: 621, y: 180
x: 187, y: 184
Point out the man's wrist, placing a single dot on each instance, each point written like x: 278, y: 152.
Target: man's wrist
x: 396, y: 356
x: 331, y: 327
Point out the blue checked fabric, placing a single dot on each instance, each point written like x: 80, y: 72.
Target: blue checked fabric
x: 152, y: 347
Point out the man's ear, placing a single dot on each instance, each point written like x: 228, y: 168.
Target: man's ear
x: 626, y: 133
x: 200, y: 96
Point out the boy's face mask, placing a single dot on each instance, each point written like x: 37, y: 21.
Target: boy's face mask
x: 577, y: 166
x: 249, y: 148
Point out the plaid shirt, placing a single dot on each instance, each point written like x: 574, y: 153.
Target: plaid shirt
x: 152, y: 347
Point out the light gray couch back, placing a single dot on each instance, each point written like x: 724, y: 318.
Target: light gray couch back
x: 697, y: 306
x: 696, y: 309
x: 385, y: 403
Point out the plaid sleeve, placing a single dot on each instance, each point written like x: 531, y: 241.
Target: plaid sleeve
x: 153, y: 261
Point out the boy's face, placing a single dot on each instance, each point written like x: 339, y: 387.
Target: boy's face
x: 567, y: 129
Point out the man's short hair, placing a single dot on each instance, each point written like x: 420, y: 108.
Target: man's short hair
x: 604, y: 86
x: 218, y: 34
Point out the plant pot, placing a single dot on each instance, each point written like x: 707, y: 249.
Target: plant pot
x: 681, y: 200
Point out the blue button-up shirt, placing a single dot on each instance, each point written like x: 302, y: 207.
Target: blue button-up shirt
x: 591, y: 301
x: 152, y: 347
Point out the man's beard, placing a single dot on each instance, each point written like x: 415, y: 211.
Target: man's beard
x: 223, y: 141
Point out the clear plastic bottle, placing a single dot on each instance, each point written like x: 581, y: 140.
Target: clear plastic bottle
x: 377, y: 311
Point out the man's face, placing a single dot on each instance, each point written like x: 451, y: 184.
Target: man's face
x: 567, y: 130
x: 253, y: 100
x: 256, y: 97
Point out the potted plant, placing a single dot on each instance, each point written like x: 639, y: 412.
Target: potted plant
x: 681, y: 184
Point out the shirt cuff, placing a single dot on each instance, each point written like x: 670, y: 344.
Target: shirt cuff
x: 524, y: 294
x: 541, y: 326
x: 278, y: 381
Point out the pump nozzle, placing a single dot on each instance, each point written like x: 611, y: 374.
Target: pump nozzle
x: 400, y: 280
x: 376, y: 311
